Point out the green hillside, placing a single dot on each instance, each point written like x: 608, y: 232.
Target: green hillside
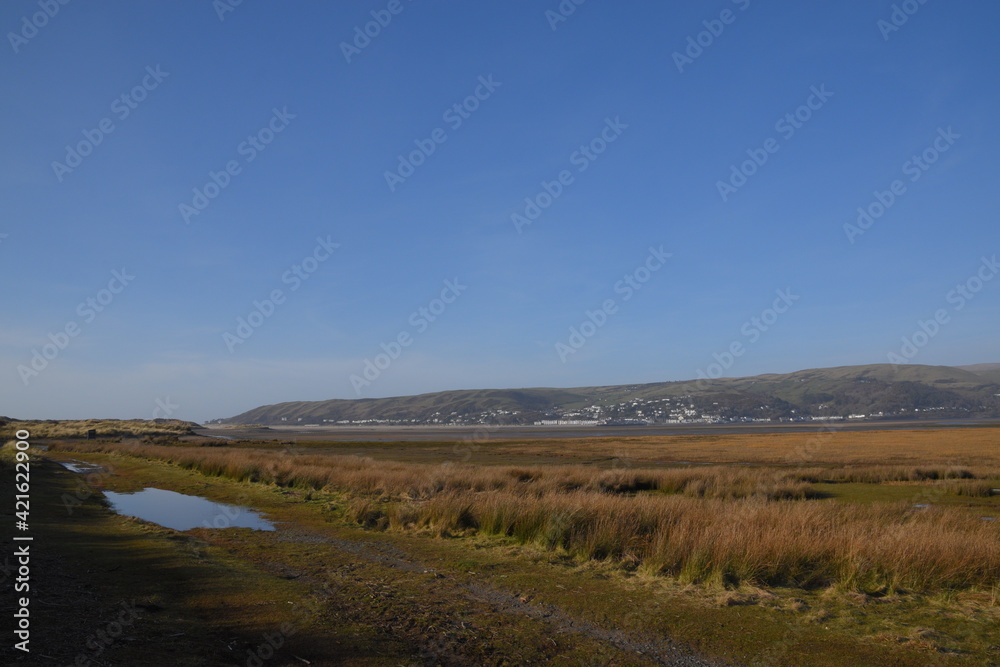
x: 879, y: 390
x: 990, y: 372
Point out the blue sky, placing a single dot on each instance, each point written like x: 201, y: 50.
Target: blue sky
x: 658, y: 133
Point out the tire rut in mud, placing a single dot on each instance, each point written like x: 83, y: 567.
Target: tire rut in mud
x: 653, y: 651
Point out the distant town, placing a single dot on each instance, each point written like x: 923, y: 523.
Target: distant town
x: 842, y: 394
x: 637, y: 412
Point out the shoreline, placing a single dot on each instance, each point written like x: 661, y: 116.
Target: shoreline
x: 421, y: 432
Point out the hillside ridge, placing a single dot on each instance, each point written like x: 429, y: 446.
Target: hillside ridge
x: 874, y: 391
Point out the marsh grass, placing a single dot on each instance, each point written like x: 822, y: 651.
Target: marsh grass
x: 714, y: 525
x: 105, y: 428
x: 973, y: 488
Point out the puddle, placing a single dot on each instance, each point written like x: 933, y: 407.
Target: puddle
x: 183, y: 512
x: 988, y: 518
x: 921, y: 506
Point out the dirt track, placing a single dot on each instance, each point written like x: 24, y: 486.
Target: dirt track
x: 447, y: 648
x: 369, y: 599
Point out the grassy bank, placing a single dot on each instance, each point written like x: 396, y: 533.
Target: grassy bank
x: 892, y: 559
x: 103, y: 428
x: 762, y: 525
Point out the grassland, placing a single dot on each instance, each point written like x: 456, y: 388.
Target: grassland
x: 826, y: 548
x: 103, y: 428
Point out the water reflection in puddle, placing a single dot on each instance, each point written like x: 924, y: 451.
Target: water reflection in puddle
x: 183, y: 512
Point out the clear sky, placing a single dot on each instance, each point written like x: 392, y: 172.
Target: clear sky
x: 673, y: 169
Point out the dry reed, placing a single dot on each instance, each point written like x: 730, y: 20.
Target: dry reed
x: 721, y: 524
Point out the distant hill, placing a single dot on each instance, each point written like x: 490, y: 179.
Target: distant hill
x: 875, y: 391
x: 989, y: 371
